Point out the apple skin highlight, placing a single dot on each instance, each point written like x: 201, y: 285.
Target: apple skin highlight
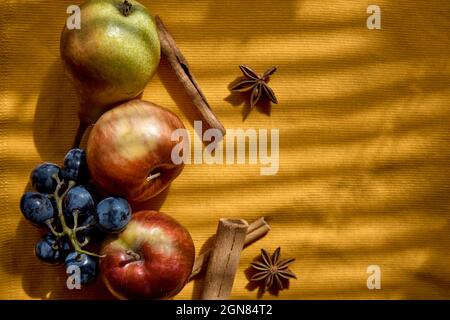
x: 151, y: 259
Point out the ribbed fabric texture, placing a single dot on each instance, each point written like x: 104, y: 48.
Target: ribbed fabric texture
x: 364, y: 121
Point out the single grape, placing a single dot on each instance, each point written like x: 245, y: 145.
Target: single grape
x: 36, y: 207
x: 42, y: 177
x: 113, y: 214
x: 92, y: 232
x: 52, y: 250
x: 75, y: 166
x: 78, y: 198
x: 87, y: 264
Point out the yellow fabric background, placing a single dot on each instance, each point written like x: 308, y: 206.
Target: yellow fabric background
x: 364, y: 123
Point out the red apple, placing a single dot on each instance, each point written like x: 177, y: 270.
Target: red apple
x: 151, y: 259
x: 129, y: 150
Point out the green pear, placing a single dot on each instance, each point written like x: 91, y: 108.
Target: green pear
x: 111, y: 58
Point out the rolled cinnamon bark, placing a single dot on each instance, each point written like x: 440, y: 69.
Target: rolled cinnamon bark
x: 256, y: 230
x: 224, y: 260
x: 181, y: 67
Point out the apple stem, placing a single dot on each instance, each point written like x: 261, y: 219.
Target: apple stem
x: 133, y: 254
x: 153, y: 176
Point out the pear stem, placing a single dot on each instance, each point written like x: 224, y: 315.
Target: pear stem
x: 80, y: 132
x: 125, y: 8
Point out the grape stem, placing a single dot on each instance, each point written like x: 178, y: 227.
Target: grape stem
x: 71, y: 233
x: 84, y: 227
x: 52, y: 229
x: 75, y: 219
x: 85, y: 242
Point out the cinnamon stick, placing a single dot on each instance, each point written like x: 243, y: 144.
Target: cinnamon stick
x: 224, y: 260
x: 181, y: 67
x: 256, y: 230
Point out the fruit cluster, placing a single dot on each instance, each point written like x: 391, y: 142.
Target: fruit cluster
x: 67, y: 205
x: 128, y: 154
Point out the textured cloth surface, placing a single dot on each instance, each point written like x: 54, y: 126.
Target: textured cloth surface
x: 364, y: 121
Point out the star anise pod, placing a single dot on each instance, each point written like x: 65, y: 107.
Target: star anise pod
x: 272, y: 269
x: 256, y: 83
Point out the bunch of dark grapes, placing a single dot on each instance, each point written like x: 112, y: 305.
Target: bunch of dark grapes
x: 66, y: 204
